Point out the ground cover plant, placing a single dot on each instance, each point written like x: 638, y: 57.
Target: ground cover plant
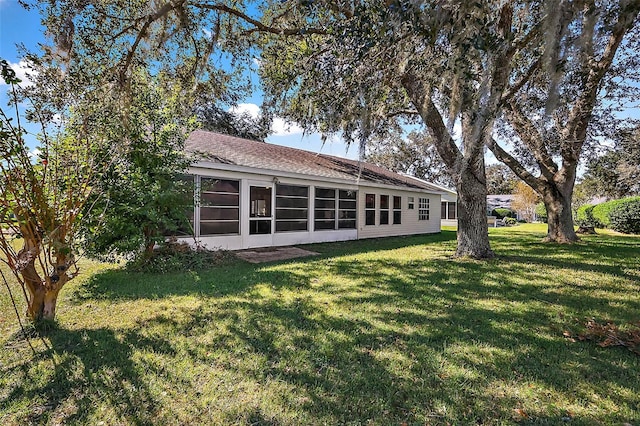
x: 380, y: 332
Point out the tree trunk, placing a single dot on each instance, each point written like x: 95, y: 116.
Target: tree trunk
x: 42, y: 304
x: 559, y: 218
x: 473, y: 230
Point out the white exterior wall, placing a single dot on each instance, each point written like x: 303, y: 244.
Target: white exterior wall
x: 409, y: 225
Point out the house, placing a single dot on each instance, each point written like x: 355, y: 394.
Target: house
x: 501, y: 201
x: 255, y: 194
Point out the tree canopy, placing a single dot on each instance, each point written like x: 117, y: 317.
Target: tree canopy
x: 414, y: 154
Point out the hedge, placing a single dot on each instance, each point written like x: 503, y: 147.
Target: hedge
x: 602, y: 212
x: 625, y: 216
x: 584, y: 215
x: 501, y: 213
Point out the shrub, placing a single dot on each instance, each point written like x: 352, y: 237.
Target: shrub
x: 541, y: 212
x: 625, y: 216
x: 510, y: 221
x: 584, y: 216
x: 501, y: 213
x: 174, y: 256
x: 602, y: 212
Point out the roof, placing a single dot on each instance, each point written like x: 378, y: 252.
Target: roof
x: 230, y: 150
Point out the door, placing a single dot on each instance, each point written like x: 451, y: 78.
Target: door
x: 260, y: 216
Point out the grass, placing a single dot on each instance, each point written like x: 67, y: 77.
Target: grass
x: 378, y: 332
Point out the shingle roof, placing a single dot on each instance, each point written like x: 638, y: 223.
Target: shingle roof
x: 224, y: 149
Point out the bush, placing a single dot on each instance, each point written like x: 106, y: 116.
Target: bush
x: 510, y: 221
x: 625, y: 216
x: 501, y: 213
x: 584, y: 216
x: 174, y: 256
x: 602, y: 212
x: 541, y: 212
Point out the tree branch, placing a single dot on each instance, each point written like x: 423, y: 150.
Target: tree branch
x: 513, y: 164
x: 259, y: 25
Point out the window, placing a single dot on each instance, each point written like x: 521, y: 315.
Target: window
x: 219, y: 206
x: 325, y: 209
x: 185, y: 185
x: 292, y: 208
x: 410, y: 203
x: 448, y: 210
x: 397, y: 210
x: 453, y: 211
x: 370, y: 209
x: 260, y: 210
x: 384, y: 210
x: 423, y: 209
x: 335, y: 209
x: 347, y: 211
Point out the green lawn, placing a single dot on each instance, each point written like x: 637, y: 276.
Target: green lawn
x: 380, y: 332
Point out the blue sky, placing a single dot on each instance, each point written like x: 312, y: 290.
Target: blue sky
x: 18, y: 25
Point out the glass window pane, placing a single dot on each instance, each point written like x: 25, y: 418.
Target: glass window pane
x: 384, y: 217
x: 397, y: 217
x: 348, y: 195
x: 347, y: 224
x: 347, y: 205
x: 260, y: 227
x: 219, y: 185
x: 292, y: 202
x: 384, y: 202
x: 370, y: 201
x: 452, y: 211
x: 291, y: 225
x: 397, y: 203
x: 213, y: 199
x: 325, y: 214
x: 291, y: 214
x: 260, y: 205
x: 347, y: 214
x: 443, y: 210
x: 325, y: 204
x: 292, y: 190
x: 216, y: 213
x: 216, y: 228
x: 370, y: 217
x: 325, y: 193
x: 324, y: 224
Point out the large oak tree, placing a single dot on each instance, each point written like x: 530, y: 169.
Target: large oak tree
x: 578, y: 74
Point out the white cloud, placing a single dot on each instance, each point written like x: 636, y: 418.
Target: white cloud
x: 257, y: 62
x: 21, y: 69
x: 252, y: 109
x: 282, y: 128
x: 279, y: 127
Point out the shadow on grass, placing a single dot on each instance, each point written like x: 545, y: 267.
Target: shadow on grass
x: 83, y: 372
x: 387, y: 340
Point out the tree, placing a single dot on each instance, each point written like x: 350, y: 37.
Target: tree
x: 367, y: 68
x: 616, y: 173
x: 215, y: 119
x: 575, y: 78
x: 141, y: 195
x: 415, y: 155
x: 500, y: 180
x: 525, y: 201
x: 41, y: 198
